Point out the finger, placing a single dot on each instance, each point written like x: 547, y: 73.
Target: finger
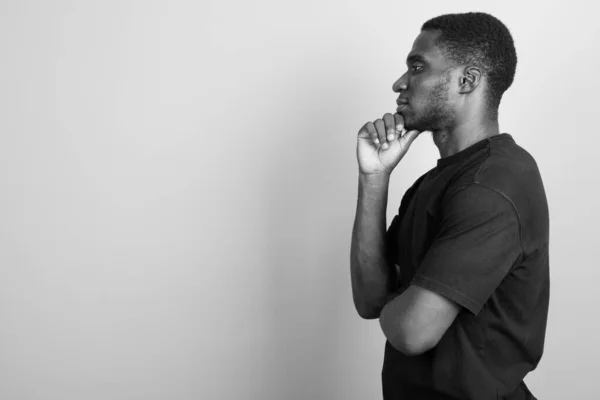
x: 390, y: 127
x: 399, y: 122
x: 380, y: 127
x: 372, y: 133
x: 363, y: 132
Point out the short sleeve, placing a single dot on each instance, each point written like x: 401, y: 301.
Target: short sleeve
x: 476, y: 246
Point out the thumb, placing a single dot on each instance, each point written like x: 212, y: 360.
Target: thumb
x: 409, y: 137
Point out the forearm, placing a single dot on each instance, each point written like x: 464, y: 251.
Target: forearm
x: 371, y: 275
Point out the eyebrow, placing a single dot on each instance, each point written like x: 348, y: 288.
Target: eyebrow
x: 414, y: 57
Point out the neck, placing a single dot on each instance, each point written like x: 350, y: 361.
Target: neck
x: 464, y: 134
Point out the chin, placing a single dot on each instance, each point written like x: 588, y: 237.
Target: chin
x: 410, y: 123
x: 418, y: 124
x: 415, y: 126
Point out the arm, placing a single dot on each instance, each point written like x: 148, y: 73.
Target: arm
x: 371, y: 275
x: 380, y: 146
x: 416, y: 320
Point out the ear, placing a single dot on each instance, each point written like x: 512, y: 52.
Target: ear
x: 470, y: 79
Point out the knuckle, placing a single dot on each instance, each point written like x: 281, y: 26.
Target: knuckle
x: 399, y: 120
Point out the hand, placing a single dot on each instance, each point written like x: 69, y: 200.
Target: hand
x: 382, y: 144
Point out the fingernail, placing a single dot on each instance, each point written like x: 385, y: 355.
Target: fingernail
x: 376, y: 141
x: 399, y: 127
x: 384, y: 146
x: 390, y: 137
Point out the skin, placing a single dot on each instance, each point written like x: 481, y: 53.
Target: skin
x: 447, y: 100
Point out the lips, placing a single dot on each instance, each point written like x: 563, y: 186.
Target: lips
x: 402, y: 104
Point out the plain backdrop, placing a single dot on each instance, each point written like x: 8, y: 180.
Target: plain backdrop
x: 178, y: 185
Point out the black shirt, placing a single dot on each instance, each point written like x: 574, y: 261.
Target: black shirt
x: 475, y: 230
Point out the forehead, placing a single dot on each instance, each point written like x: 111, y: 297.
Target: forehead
x: 424, y: 47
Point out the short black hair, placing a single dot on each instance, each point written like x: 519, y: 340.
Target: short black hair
x: 480, y: 39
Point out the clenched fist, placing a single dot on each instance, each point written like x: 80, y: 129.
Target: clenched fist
x: 382, y: 144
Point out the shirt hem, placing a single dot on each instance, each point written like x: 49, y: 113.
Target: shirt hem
x: 447, y: 291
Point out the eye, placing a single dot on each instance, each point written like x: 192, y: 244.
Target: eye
x: 416, y: 68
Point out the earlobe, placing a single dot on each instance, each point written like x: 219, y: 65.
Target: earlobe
x: 470, y: 80
x: 464, y: 85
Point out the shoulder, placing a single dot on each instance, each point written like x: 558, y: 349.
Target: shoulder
x: 472, y: 204
x: 508, y: 177
x: 506, y: 168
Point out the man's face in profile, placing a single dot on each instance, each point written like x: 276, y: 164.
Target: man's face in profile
x: 424, y: 90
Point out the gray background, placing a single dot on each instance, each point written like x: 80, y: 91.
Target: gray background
x: 178, y: 185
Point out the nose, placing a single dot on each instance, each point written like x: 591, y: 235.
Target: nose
x: 400, y: 84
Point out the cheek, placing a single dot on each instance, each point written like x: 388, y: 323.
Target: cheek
x: 421, y: 87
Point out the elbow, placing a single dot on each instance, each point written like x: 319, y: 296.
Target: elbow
x: 367, y: 312
x: 410, y: 342
x: 410, y: 347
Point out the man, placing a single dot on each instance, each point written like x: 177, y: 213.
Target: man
x: 460, y: 281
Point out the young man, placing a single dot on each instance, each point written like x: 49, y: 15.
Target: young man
x: 460, y: 280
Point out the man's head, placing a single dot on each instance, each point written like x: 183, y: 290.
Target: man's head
x: 460, y: 64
